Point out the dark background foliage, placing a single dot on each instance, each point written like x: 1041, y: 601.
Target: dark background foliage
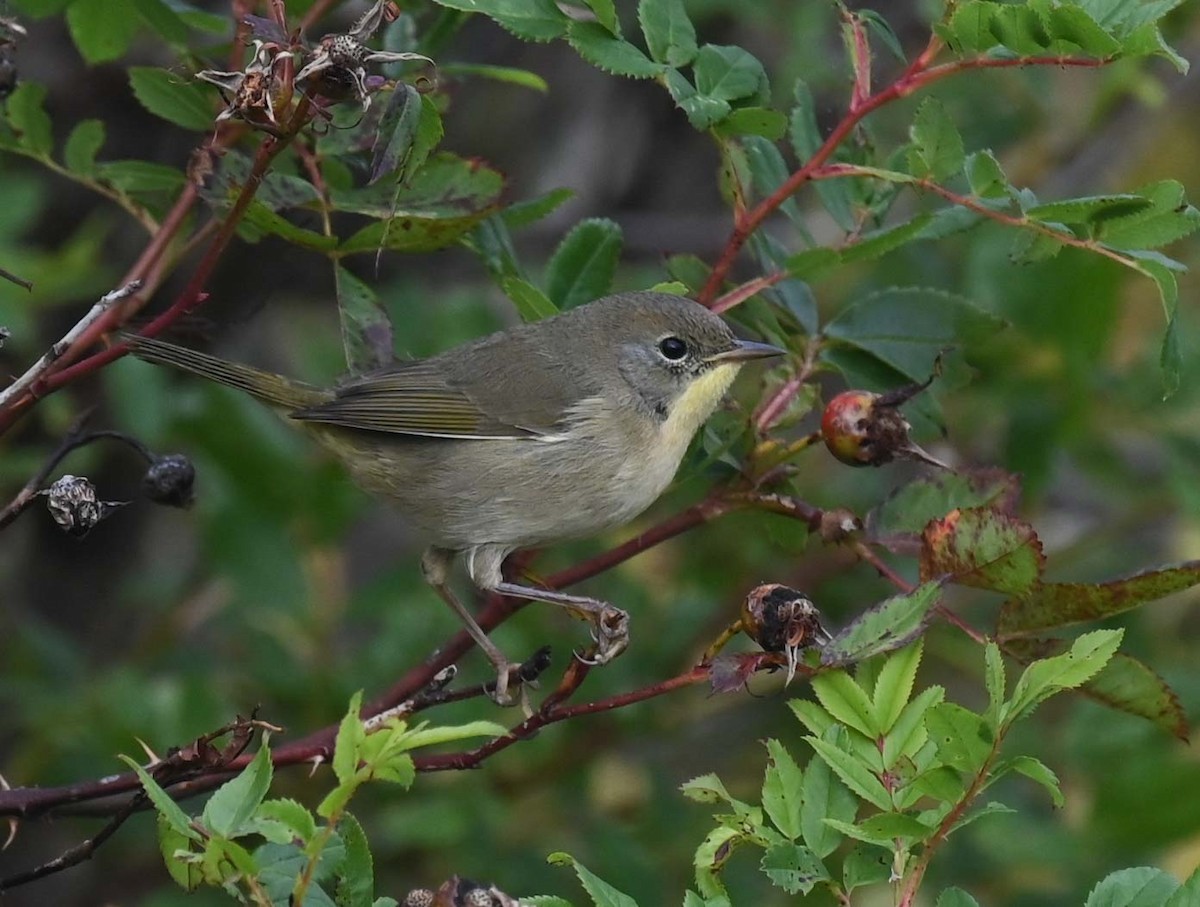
x: 286, y: 588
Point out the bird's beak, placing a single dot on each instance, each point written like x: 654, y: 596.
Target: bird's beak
x: 746, y: 349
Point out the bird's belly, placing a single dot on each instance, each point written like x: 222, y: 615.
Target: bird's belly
x: 513, y: 493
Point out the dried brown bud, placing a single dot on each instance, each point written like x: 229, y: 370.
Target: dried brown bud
x: 782, y: 619
x: 418, y: 897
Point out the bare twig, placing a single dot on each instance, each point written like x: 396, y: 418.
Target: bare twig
x: 40, y: 367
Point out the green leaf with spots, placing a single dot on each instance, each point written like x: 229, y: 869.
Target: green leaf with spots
x: 984, y: 548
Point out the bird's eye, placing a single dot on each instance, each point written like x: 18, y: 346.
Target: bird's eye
x: 672, y: 348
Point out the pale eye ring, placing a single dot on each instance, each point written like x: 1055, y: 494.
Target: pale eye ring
x: 672, y: 348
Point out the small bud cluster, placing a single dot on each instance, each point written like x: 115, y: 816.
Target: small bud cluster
x: 459, y: 892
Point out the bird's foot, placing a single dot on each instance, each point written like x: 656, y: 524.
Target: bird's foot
x: 610, y: 632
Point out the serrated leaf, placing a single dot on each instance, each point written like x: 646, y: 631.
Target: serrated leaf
x: 164, y: 20
x: 823, y: 797
x: 510, y: 75
x: 140, y: 176
x: 669, y: 32
x: 866, y: 865
x: 962, y: 738
x: 1092, y: 209
x: 1068, y: 22
x: 1054, y: 605
x: 702, y: 111
x: 908, y: 734
x: 795, y: 869
x: 1042, y: 679
x: 1188, y: 894
x: 728, y: 73
x: 82, y: 146
x: 985, y: 175
x: 263, y: 220
x: 1141, y: 886
x: 532, y: 304
x: 521, y: 214
x: 602, y: 894
x: 356, y: 873
x: 451, y: 733
x: 994, y: 678
x: 984, y: 548
x: 894, y: 685
x: 167, y: 95
x: 583, y: 265
x: 366, y: 327
x: 884, y: 828
x: 606, y: 14
x: 887, y: 626
x: 29, y: 118
x: 168, y: 810
x: 812, y: 716
x: 908, y: 510
x: 295, y: 816
x: 956, y: 897
x: 936, y: 141
x: 614, y: 55
x: 350, y: 737
x: 782, y: 790
x: 102, y: 29
x: 853, y: 773
x: 234, y: 802
x: 805, y: 136
x: 757, y: 121
x: 846, y: 701
x: 533, y: 20
x: 1036, y: 771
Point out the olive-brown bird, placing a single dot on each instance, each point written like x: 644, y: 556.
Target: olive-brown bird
x: 545, y: 431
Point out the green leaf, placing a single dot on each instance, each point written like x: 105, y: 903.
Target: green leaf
x: 413, y: 128
x: 532, y: 304
x: 825, y: 797
x: 606, y: 14
x: 908, y: 510
x: 937, y: 145
x: 985, y: 175
x: 1035, y: 770
x: 669, y: 32
x: 1092, y: 209
x: 956, y: 897
x: 82, y: 146
x: 889, y: 625
x: 1142, y: 886
x: 532, y: 20
x: 1068, y: 22
x: 866, y: 865
x: 884, y: 828
x: 602, y: 894
x: 1159, y: 269
x: 1164, y: 217
x: 350, y: 737
x: 812, y: 716
x: 366, y: 327
x: 995, y: 681
x: 728, y: 73
x: 1188, y: 894
x: 520, y: 214
x: 1042, y: 679
x: 962, y: 738
x: 854, y: 774
x: 908, y: 734
x: 187, y: 874
x: 836, y: 195
x: 782, y: 790
x: 102, y: 29
x: 167, y: 95
x: 164, y: 20
x: 583, y: 265
x: 907, y: 327
x: 507, y: 74
x: 1054, y: 605
x: 29, y: 119
x: 433, y: 736
x: 614, y: 55
x: 229, y: 809
x: 795, y: 869
x: 984, y: 548
x: 356, y: 873
x: 445, y: 198
x: 759, y: 121
x: 895, y: 684
x: 263, y: 220
x: 846, y: 701
x: 702, y: 111
x: 292, y: 814
x: 170, y: 811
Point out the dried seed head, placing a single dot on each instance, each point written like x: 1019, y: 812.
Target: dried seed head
x: 419, y: 897
x: 782, y: 619
x: 72, y: 503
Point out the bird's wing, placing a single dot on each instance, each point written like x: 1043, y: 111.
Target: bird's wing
x: 426, y: 399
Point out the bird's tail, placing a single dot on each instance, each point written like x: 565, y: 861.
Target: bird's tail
x: 265, y: 386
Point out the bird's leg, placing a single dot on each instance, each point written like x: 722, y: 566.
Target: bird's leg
x: 435, y: 564
x: 610, y: 625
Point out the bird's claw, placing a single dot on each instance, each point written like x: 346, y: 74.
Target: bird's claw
x: 610, y: 633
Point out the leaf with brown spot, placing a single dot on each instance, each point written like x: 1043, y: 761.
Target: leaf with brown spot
x: 900, y: 519
x: 1062, y: 604
x: 1124, y: 684
x: 984, y: 548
